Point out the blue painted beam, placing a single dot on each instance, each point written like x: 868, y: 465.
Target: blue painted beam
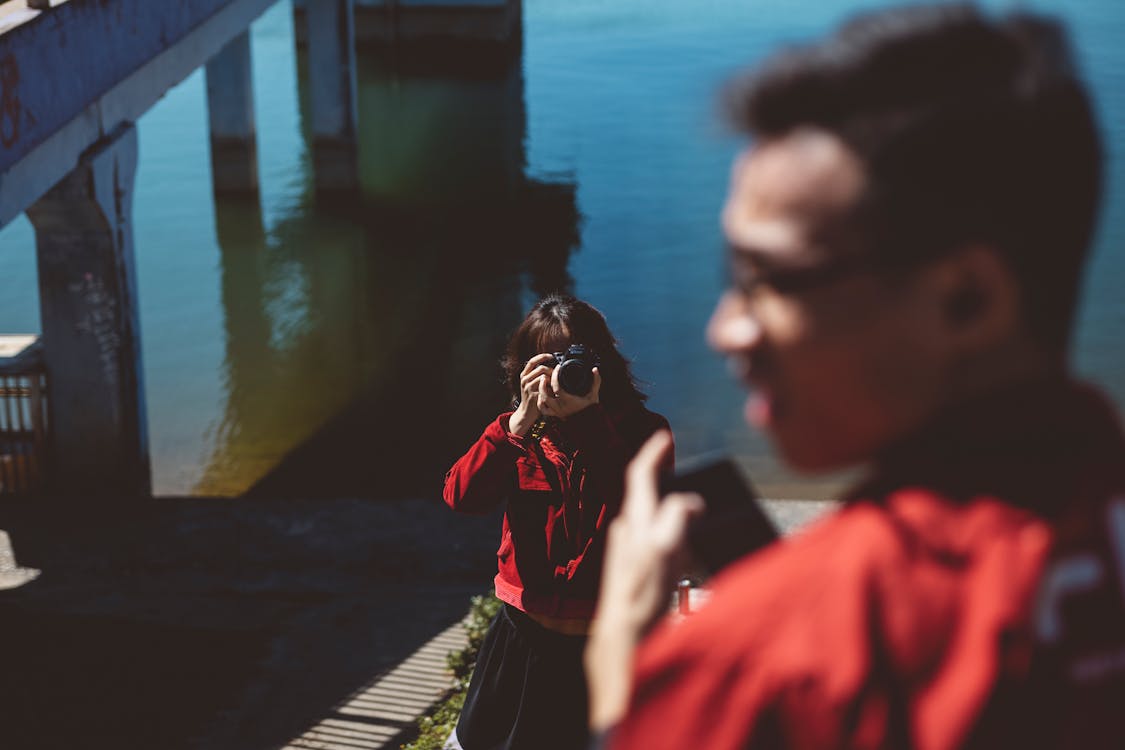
x: 78, y: 71
x: 421, y: 3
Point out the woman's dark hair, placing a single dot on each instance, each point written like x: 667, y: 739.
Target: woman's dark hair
x: 971, y: 129
x: 557, y: 321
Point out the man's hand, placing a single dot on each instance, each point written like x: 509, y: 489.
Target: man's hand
x: 535, y: 373
x: 645, y: 551
x: 553, y: 401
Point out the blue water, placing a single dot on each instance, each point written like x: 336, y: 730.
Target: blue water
x: 308, y: 349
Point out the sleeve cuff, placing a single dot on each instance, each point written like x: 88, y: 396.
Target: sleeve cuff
x: 499, y: 434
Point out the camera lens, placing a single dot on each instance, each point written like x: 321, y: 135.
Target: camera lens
x: 576, y: 377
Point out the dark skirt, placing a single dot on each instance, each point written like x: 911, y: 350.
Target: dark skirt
x: 528, y: 691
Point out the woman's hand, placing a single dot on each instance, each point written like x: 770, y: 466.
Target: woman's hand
x: 553, y: 401
x: 535, y: 373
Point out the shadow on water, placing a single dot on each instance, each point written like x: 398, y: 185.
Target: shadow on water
x: 362, y: 341
x: 363, y: 335
x: 424, y: 346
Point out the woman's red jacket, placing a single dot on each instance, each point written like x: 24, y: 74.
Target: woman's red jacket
x: 560, y: 492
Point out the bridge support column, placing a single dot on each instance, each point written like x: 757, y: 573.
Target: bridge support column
x: 91, y: 329
x: 332, y: 94
x: 230, y: 101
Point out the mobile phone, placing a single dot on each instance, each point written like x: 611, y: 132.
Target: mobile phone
x: 732, y: 524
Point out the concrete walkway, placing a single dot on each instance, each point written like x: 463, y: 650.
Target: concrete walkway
x: 200, y: 624
x: 196, y: 624
x: 384, y: 712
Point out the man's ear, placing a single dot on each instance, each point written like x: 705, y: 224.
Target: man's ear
x: 979, y: 297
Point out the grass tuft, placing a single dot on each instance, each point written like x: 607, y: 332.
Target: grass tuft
x: 435, y: 727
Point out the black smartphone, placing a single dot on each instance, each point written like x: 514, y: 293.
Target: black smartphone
x: 733, y: 523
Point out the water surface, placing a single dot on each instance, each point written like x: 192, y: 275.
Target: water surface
x: 291, y: 348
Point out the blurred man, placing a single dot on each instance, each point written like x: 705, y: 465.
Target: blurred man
x: 907, y: 235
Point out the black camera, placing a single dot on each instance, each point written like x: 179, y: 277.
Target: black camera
x: 576, y: 367
x: 732, y: 523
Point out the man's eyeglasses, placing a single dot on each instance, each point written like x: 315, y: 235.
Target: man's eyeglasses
x: 747, y: 274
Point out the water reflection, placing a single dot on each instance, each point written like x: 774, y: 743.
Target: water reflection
x: 362, y: 337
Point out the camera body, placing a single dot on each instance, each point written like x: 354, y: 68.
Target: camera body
x: 576, y: 367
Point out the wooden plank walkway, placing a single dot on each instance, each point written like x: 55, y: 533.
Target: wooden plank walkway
x: 384, y: 711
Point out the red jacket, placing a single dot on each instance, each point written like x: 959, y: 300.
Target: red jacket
x: 909, y: 618
x: 560, y: 492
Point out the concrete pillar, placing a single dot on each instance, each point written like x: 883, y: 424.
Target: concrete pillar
x: 91, y: 329
x: 473, y: 25
x: 230, y: 101
x: 332, y: 93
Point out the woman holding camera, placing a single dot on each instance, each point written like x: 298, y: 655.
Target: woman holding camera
x: 557, y: 463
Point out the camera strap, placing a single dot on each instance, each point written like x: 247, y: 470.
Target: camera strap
x: 550, y: 469
x: 538, y: 429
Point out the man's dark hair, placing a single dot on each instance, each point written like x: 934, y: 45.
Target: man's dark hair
x: 971, y: 129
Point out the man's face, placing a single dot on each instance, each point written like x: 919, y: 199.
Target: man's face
x: 835, y: 354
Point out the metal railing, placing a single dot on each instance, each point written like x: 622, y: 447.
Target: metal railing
x: 23, y: 415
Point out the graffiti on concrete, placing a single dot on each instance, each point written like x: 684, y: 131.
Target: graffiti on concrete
x: 100, y: 321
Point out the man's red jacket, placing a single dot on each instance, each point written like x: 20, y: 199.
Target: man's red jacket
x: 560, y: 491
x: 969, y: 595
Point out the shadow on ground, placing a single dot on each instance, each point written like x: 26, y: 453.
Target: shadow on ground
x: 218, y: 624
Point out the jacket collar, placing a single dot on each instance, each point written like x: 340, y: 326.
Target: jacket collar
x: 1036, y: 444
